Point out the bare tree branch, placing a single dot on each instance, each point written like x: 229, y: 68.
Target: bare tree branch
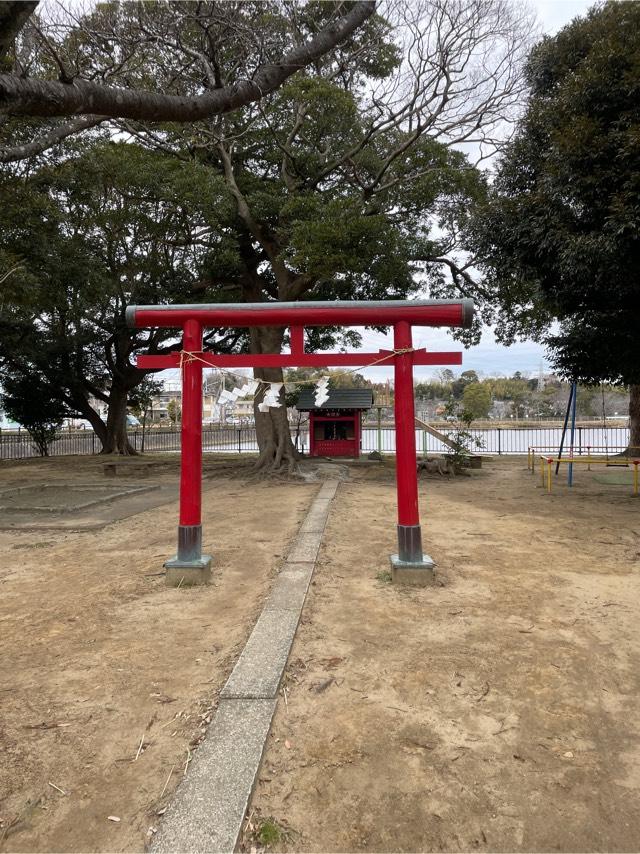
x: 42, y: 143
x: 37, y: 97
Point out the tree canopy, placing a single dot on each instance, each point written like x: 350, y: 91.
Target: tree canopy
x: 350, y: 181
x: 82, y: 240
x: 32, y: 402
x: 68, y: 65
x: 559, y: 234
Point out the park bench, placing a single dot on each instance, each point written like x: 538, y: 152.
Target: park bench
x: 129, y: 466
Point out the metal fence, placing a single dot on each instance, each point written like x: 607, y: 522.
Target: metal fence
x: 242, y: 440
x: 517, y: 440
x: 17, y: 445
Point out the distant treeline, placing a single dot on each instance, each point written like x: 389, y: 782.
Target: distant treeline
x: 517, y: 396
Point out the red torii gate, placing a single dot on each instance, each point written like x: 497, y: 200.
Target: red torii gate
x: 190, y: 566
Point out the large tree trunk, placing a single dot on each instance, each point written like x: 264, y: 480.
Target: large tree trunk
x: 98, y: 425
x: 115, y: 439
x: 78, y: 401
x: 634, y: 421
x: 13, y: 17
x: 276, y: 450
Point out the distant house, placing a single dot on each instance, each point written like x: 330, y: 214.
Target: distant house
x: 335, y: 428
x: 160, y: 402
x: 211, y: 410
x: 243, y: 409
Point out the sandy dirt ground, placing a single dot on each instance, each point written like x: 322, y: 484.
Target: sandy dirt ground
x: 498, y: 711
x: 107, y: 677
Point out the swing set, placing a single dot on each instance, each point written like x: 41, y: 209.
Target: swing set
x: 588, y: 460
x: 190, y: 565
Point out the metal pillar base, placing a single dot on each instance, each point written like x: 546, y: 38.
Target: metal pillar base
x: 189, y: 542
x: 189, y: 567
x: 409, y: 542
x: 413, y: 573
x: 410, y: 566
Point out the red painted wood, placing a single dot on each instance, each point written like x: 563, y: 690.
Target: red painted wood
x: 333, y: 314
x: 336, y: 448
x: 429, y: 357
x: 296, y: 333
x: 406, y: 475
x: 292, y: 360
x: 402, y: 316
x: 191, y: 456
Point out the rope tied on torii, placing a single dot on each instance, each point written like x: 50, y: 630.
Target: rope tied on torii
x: 272, y: 392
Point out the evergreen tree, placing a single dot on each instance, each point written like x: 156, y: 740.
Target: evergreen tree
x: 559, y: 235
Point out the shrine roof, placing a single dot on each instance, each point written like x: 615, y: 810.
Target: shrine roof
x: 339, y: 398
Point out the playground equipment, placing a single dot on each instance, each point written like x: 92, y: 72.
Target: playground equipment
x: 571, y: 409
x: 190, y: 566
x: 542, y: 451
x: 547, y: 463
x: 436, y: 434
x: 588, y: 460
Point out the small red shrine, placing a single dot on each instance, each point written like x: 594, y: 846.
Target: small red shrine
x: 335, y: 428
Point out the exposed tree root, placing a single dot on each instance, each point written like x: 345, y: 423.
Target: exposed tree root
x: 127, y: 450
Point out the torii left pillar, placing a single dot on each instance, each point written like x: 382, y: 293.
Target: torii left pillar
x: 190, y: 566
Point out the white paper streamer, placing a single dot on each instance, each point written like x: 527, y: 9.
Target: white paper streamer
x: 321, y: 394
x: 271, y: 399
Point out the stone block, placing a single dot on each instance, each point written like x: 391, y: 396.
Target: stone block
x: 208, y: 809
x: 182, y: 573
x: 328, y: 489
x: 316, y: 518
x: 413, y: 573
x: 259, y: 669
x: 290, y: 588
x: 305, y: 548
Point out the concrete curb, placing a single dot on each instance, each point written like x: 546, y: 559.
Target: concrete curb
x: 208, y: 809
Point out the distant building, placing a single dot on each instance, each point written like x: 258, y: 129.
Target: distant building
x: 159, y: 410
x: 243, y: 409
x: 212, y: 411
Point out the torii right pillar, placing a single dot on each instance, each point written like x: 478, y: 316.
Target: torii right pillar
x: 410, y: 565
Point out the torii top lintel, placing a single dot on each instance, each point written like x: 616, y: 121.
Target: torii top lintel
x: 339, y: 313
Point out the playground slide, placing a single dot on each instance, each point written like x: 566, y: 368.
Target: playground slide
x: 436, y: 434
